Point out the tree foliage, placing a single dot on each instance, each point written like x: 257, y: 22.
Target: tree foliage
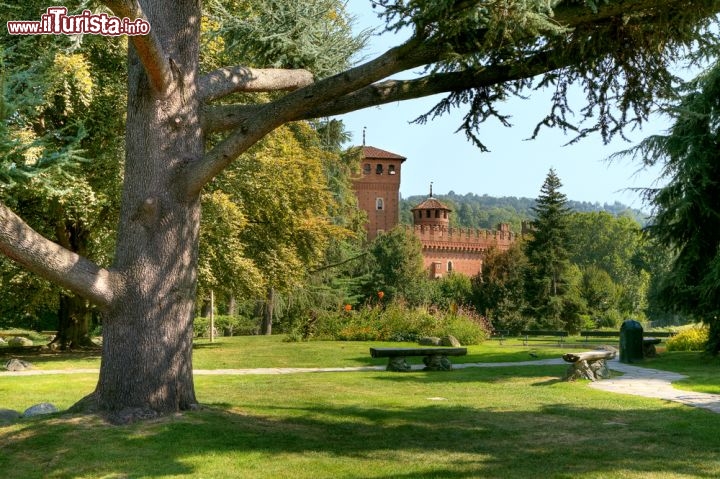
x: 397, y: 266
x: 472, y: 210
x: 687, y: 216
x: 499, y: 289
x: 62, y: 102
x: 618, y: 247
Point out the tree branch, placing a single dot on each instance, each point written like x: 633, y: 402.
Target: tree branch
x: 149, y: 50
x: 25, y: 246
x: 228, y: 117
x: 224, y: 81
x: 271, y: 115
x: 218, y: 118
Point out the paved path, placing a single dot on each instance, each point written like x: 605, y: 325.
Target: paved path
x: 635, y: 380
x: 654, y: 383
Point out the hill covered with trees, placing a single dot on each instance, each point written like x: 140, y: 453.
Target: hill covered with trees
x: 482, y: 211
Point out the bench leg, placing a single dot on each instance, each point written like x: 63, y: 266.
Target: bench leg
x: 592, y: 370
x: 398, y: 364
x: 437, y: 362
x: 649, y: 350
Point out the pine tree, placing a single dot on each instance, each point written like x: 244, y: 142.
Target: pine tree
x: 548, y: 255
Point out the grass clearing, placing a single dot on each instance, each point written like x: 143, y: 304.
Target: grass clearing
x: 509, y: 422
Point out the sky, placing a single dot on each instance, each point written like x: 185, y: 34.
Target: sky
x: 515, y: 166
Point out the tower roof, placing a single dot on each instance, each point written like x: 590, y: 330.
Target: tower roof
x: 377, y: 153
x: 431, y: 204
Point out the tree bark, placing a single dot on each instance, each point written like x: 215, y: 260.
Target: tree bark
x: 268, y: 310
x: 232, y: 306
x: 146, y: 363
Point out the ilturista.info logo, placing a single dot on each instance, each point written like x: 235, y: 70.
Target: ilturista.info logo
x: 56, y: 21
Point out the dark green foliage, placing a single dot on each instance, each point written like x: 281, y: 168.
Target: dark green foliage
x: 451, y: 291
x: 396, y: 266
x: 499, y: 289
x: 311, y: 34
x: 687, y: 211
x: 226, y: 326
x: 618, y: 63
x: 548, y: 256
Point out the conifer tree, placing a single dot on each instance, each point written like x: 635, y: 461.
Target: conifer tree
x: 548, y: 255
x: 687, y: 215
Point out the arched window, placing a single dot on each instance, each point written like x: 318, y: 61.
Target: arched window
x: 450, y: 266
x: 391, y: 169
x: 379, y: 204
x: 379, y: 169
x: 366, y: 169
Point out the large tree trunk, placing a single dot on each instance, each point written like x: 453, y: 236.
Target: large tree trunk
x: 147, y: 330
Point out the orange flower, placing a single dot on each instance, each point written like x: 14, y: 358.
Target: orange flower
x: 381, y: 294
x: 348, y: 307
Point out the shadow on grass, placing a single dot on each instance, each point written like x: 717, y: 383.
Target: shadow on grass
x: 439, y: 440
x: 206, y: 345
x: 497, y: 374
x: 42, y: 357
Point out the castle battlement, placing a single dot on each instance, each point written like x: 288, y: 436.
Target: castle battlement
x: 442, y: 237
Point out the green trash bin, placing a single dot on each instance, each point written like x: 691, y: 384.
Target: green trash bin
x: 631, y: 341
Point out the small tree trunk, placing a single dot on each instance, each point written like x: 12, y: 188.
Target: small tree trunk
x: 232, y: 306
x: 205, y: 309
x: 268, y: 310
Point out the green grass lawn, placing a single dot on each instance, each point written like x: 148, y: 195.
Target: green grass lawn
x: 509, y: 422
x: 242, y: 352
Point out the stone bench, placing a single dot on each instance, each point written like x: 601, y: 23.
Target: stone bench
x: 435, y: 359
x: 590, y: 365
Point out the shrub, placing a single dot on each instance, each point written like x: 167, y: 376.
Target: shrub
x: 398, y: 322
x: 689, y: 339
x: 609, y: 319
x: 467, y: 326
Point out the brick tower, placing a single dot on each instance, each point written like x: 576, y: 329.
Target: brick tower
x: 378, y: 189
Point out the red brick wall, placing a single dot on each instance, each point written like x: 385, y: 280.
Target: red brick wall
x: 463, y: 262
x: 370, y: 186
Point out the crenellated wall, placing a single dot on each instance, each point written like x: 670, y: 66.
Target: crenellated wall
x: 463, y: 238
